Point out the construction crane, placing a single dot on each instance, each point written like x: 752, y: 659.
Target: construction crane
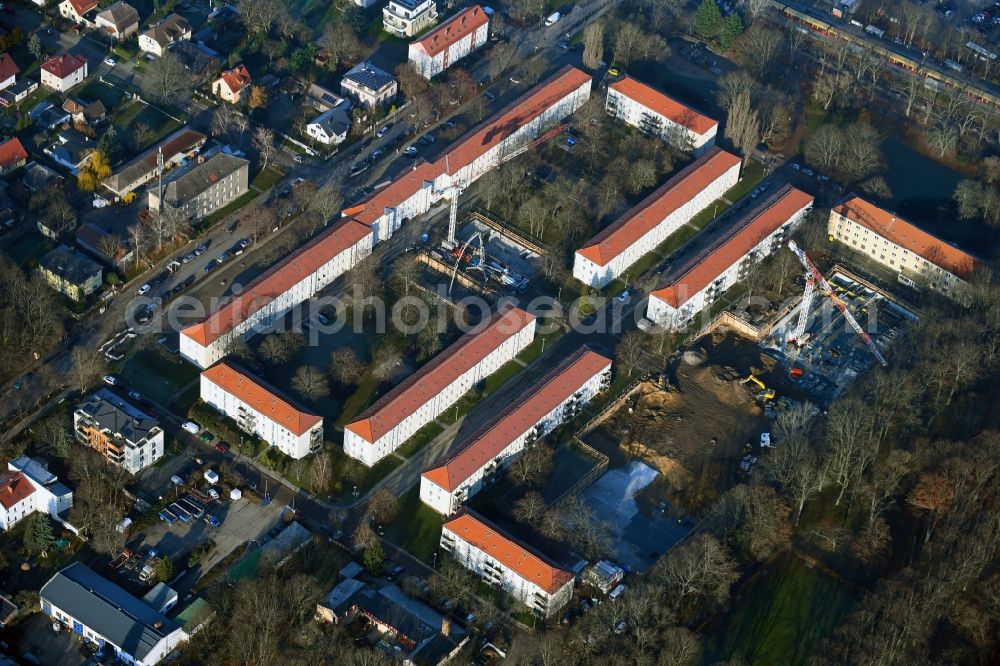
x: 457, y: 186
x: 477, y: 259
x: 816, y: 279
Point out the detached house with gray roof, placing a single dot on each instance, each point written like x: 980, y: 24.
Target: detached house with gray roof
x: 208, y: 186
x: 70, y: 272
x: 161, y: 36
x: 120, y: 20
x: 97, y: 609
x: 369, y: 86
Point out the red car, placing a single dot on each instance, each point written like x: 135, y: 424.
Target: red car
x: 222, y: 447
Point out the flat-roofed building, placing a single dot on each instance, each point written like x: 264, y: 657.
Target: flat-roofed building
x: 406, y: 18
x: 536, y: 412
x: 609, y: 254
x: 694, y: 284
x: 122, y: 433
x: 658, y: 114
x: 260, y: 409
x: 918, y: 257
x: 437, y: 385
x: 270, y: 296
x: 504, y: 563
x: 451, y: 41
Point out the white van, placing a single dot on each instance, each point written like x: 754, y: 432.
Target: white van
x: 617, y: 592
x: 191, y: 427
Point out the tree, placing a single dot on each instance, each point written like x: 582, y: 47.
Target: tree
x: 732, y: 28
x: 94, y: 171
x: 743, y: 124
x: 165, y: 569
x: 753, y: 519
x: 795, y: 467
x: 823, y: 149
x: 167, y: 80
x: 501, y: 55
x: 382, y: 507
x: 273, y: 350
x: 593, y: 45
x: 340, y: 44
x: 757, y: 47
x: 697, y: 575
x: 86, y: 365
x: 258, y: 98
x: 629, y: 352
x: 310, y: 383
x: 346, y: 367
x: 641, y: 175
x: 405, y: 273
x: 35, y: 46
x: 628, y: 37
x: 933, y: 494
x: 707, y: 19
x: 533, y: 466
x: 263, y: 141
x: 374, y: 558
x: 37, y: 533
x: 386, y: 357
x: 302, y: 57
x: 529, y: 508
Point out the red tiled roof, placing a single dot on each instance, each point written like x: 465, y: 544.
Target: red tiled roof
x: 472, y: 145
x: 12, y: 152
x: 908, y: 236
x: 8, y: 67
x: 236, y: 78
x: 277, y: 280
x: 14, y: 487
x: 729, y: 248
x: 455, y: 29
x: 517, y: 418
x: 668, y: 107
x: 265, y: 400
x: 525, y: 563
x: 390, y: 410
x: 62, y: 66
x: 651, y: 211
x: 81, y: 7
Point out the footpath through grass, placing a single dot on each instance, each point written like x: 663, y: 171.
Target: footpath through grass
x: 781, y: 615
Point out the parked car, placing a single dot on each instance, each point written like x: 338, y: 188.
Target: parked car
x: 144, y: 289
x: 110, y: 380
x: 222, y: 447
x: 201, y: 249
x: 135, y: 395
x: 490, y: 95
x: 411, y: 151
x: 207, y: 437
x: 383, y: 131
x: 192, y: 428
x: 298, y: 159
x: 188, y: 258
x: 245, y: 243
x: 213, y: 493
x: 110, y: 62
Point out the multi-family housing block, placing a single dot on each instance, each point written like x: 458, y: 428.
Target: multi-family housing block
x: 369, y: 86
x: 694, y: 284
x: 406, y: 18
x: 28, y: 486
x: 918, y: 257
x: 504, y: 563
x: 261, y: 410
x: 473, y: 154
x: 96, y: 609
x: 451, y: 41
x: 535, y: 413
x: 204, y: 188
x: 270, y: 296
x: 70, y: 273
x: 609, y: 254
x: 655, y: 113
x: 122, y: 433
x: 437, y: 385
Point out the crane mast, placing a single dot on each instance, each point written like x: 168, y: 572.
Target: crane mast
x: 820, y: 281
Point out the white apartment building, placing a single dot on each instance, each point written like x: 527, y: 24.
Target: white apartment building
x: 919, y: 258
x: 96, y: 609
x: 437, y: 385
x: 29, y: 486
x: 503, y: 563
x: 609, y: 254
x: 122, y: 433
x: 653, y: 112
x: 261, y: 410
x: 406, y: 18
x: 294, y: 280
x: 471, y: 156
x: 451, y: 41
x: 694, y: 284
x: 552, y: 401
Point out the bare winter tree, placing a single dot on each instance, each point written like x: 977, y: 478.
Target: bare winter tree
x: 263, y: 141
x: 167, y: 80
x: 593, y: 44
x: 533, y: 466
x: 346, y: 367
x: 530, y: 508
x: 743, y: 124
x: 310, y: 383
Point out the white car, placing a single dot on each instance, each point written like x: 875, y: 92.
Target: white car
x: 191, y: 427
x: 110, y: 62
x: 213, y: 493
x: 144, y: 289
x: 110, y: 380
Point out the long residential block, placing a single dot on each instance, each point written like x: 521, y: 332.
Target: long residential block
x: 609, y: 254
x: 694, y: 284
x: 451, y: 41
x: 436, y: 386
x: 96, y: 609
x: 919, y: 258
x: 658, y: 114
x: 538, y: 411
x: 469, y: 157
x: 261, y: 410
x: 272, y: 295
x: 504, y: 563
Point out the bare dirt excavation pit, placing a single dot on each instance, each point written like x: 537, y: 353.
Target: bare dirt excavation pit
x: 697, y: 429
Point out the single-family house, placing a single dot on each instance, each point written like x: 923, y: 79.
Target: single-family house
x: 12, y: 155
x: 330, y: 127
x: 80, y: 12
x: 233, y: 84
x: 38, y: 177
x: 8, y: 71
x: 164, y: 34
x: 62, y: 72
x: 71, y: 149
x: 16, y: 93
x: 70, y: 273
x: 102, y: 244
x: 47, y: 494
x: 369, y: 86
x: 322, y: 99
x: 83, y: 112
x: 121, y: 20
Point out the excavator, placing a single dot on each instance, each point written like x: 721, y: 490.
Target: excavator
x: 765, y: 393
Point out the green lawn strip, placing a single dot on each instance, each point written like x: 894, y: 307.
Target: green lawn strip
x: 419, y: 440
x: 225, y: 211
x: 752, y: 174
x: 378, y: 472
x: 460, y: 408
x: 780, y: 616
x: 158, y: 375
x: 534, y: 350
x: 266, y: 179
x: 359, y: 400
x: 500, y: 377
x: 416, y: 527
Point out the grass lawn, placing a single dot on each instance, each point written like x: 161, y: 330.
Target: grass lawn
x: 96, y: 90
x: 266, y: 179
x: 780, y: 616
x: 160, y: 123
x: 416, y: 528
x: 157, y: 375
x: 500, y: 377
x: 419, y: 440
x: 359, y: 400
x: 29, y: 247
x: 752, y: 174
x: 460, y: 408
x: 534, y: 350
x: 228, y: 210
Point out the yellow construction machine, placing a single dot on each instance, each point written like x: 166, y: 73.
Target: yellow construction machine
x: 765, y: 393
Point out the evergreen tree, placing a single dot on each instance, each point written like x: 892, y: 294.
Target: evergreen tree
x: 732, y: 28
x: 37, y: 533
x: 374, y: 558
x: 707, y: 19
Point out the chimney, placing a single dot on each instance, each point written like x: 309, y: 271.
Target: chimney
x: 157, y: 625
x: 445, y: 626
